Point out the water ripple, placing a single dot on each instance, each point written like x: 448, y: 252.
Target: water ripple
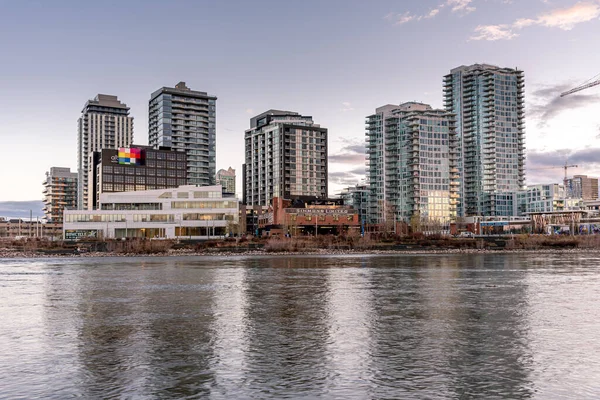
x: 435, y: 327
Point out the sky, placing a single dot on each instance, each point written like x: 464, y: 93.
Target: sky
x: 336, y: 60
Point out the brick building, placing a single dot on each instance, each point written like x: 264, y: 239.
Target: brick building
x: 308, y: 216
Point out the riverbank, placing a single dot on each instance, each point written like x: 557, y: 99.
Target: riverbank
x: 322, y: 245
x: 314, y: 252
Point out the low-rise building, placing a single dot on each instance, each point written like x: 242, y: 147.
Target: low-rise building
x: 546, y: 198
x: 583, y: 187
x: 308, y: 216
x: 249, y: 216
x: 540, y: 198
x: 186, y: 212
x: 60, y: 192
x: 358, y: 198
x: 19, y: 227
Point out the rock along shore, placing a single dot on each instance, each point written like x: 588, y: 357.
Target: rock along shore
x: 12, y: 254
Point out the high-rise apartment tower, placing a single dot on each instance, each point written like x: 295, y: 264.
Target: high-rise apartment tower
x: 185, y: 120
x: 411, y: 157
x: 286, y: 156
x: 488, y: 102
x: 226, y: 178
x: 104, y: 124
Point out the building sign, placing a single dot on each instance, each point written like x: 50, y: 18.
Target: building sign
x: 71, y: 234
x: 317, y: 211
x: 130, y: 156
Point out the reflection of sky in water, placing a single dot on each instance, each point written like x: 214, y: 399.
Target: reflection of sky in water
x: 505, y: 326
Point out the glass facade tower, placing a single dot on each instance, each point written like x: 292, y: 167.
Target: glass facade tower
x: 488, y: 102
x: 411, y: 153
x: 185, y: 120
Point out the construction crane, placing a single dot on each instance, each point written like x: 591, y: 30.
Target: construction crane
x: 595, y: 81
x: 565, y: 167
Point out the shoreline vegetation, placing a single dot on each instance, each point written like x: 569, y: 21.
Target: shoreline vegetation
x: 322, y: 245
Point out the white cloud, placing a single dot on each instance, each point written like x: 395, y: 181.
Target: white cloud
x: 433, y: 13
x: 567, y: 18
x: 347, y: 106
x: 399, y: 19
x: 462, y: 6
x: 561, y: 18
x: 493, y: 32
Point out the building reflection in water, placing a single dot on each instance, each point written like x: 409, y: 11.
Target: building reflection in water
x: 287, y: 326
x: 350, y: 313
x: 361, y: 327
x: 448, y: 325
x: 146, y: 330
x: 230, y: 333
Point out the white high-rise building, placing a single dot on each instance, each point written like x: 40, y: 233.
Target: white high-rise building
x: 411, y: 153
x: 488, y: 102
x: 104, y: 124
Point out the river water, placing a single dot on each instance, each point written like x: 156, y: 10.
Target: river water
x: 349, y: 327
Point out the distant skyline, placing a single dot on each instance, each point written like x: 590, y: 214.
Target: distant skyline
x: 335, y: 60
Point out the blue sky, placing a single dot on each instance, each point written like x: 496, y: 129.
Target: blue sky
x: 334, y: 60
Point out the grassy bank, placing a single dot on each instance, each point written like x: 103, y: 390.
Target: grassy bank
x: 321, y: 244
